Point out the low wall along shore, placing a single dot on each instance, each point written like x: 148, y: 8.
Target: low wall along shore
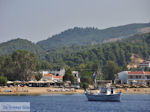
x: 50, y: 90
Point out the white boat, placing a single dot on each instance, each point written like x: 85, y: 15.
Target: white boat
x: 105, y: 94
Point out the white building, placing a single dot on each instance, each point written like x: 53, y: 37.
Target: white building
x: 145, y: 64
x: 129, y: 77
x: 55, y: 75
x: 60, y: 72
x: 51, y: 77
x: 76, y: 75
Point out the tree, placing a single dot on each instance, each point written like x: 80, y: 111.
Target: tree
x: 68, y: 76
x: 3, y: 80
x: 24, y: 64
x: 110, y: 69
x: 44, y: 65
x: 84, y: 85
x: 7, y: 67
x: 99, y: 73
x: 86, y: 79
x: 38, y: 76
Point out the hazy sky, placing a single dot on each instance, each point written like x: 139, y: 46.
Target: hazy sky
x: 39, y: 19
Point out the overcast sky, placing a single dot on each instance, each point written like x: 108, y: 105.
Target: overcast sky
x: 39, y: 19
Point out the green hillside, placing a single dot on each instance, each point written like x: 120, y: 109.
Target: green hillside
x: 19, y: 44
x: 86, y: 36
x: 83, y: 54
x: 90, y: 55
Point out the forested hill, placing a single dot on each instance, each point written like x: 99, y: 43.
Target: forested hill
x: 73, y: 40
x: 86, y: 36
x: 83, y: 57
x: 19, y: 44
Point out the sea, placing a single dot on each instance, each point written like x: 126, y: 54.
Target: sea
x: 79, y: 103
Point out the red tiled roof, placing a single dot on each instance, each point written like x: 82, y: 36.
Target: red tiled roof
x: 145, y: 62
x: 58, y: 77
x: 51, y: 75
x: 48, y: 75
x: 139, y: 72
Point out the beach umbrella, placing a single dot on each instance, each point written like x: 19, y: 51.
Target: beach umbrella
x: 9, y: 82
x: 49, y: 81
x: 17, y: 81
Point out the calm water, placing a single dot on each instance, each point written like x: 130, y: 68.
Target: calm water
x: 79, y: 103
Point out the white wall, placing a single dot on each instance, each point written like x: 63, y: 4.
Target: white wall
x: 123, y: 76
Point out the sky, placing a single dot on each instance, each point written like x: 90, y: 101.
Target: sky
x: 37, y: 20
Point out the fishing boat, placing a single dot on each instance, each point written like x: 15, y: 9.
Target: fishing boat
x: 105, y: 94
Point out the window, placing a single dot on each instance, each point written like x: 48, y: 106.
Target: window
x: 131, y: 77
x: 148, y: 77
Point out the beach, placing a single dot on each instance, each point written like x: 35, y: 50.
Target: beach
x: 38, y: 90
x: 52, y: 90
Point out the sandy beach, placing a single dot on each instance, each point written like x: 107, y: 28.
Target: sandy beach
x: 37, y: 91
x: 51, y: 90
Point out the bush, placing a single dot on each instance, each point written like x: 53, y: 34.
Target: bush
x: 3, y: 80
x: 38, y: 76
x: 69, y: 77
x: 84, y: 85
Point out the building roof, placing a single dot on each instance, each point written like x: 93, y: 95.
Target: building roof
x: 139, y: 73
x: 52, y: 76
x: 145, y: 62
x: 48, y: 75
x: 58, y: 77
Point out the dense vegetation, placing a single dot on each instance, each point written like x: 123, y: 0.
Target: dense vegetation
x: 87, y: 57
x: 109, y: 57
x: 86, y: 36
x: 106, y: 59
x: 3, y: 80
x: 19, y: 44
x: 18, y: 66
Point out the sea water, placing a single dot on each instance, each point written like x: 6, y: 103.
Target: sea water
x: 79, y: 103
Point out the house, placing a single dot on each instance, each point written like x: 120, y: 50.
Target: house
x: 51, y: 77
x: 133, y: 77
x: 60, y: 72
x: 76, y: 76
x: 145, y: 64
x: 57, y: 78
x: 47, y: 76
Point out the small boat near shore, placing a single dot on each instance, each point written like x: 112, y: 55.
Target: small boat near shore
x: 105, y: 94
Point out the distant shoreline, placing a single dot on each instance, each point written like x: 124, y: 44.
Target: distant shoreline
x: 19, y: 91
x: 35, y: 91
x: 37, y: 94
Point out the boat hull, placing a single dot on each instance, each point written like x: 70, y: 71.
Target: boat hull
x: 100, y: 97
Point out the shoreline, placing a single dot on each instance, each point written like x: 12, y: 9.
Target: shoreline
x: 37, y: 94
x: 35, y: 91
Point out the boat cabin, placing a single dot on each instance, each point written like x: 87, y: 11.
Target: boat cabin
x: 107, y: 91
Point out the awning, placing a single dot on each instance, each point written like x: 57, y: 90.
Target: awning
x: 9, y: 82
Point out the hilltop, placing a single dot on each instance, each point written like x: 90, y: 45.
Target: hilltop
x: 91, y: 36
x: 19, y: 44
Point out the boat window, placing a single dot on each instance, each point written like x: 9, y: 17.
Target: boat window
x: 111, y: 90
